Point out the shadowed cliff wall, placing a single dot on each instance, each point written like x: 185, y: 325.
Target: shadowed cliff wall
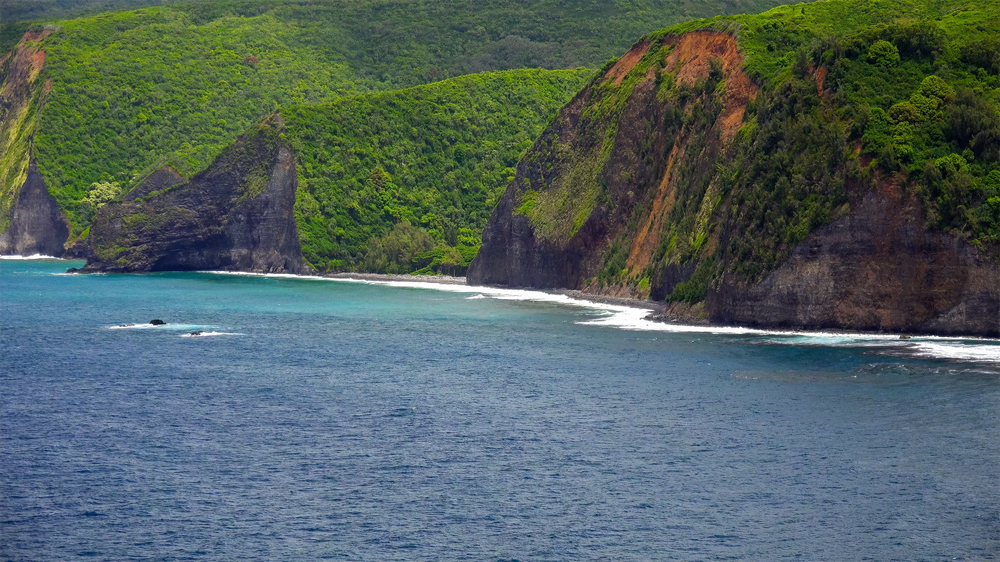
x: 237, y: 215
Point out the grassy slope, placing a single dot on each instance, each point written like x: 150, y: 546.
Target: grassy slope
x: 436, y: 157
x: 176, y: 83
x: 880, y: 120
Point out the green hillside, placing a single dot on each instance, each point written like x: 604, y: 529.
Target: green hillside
x: 176, y: 83
x: 384, y: 177
x: 853, y: 96
x: 913, y: 99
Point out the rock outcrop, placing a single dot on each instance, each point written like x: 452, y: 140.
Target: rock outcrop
x: 160, y: 179
x: 37, y: 224
x: 237, y: 215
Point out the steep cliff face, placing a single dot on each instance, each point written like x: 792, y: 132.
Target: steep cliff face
x: 37, y: 224
x: 237, y: 215
x: 608, y: 174
x: 878, y: 268
x: 31, y: 222
x: 674, y: 176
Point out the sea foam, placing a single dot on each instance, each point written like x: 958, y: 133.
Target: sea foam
x: 635, y: 319
x: 209, y: 334
x: 31, y: 257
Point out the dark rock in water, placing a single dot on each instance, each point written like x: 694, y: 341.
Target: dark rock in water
x: 237, y: 215
x: 905, y: 337
x: 157, y: 322
x: 74, y: 270
x: 196, y: 333
x: 37, y: 224
x: 159, y: 180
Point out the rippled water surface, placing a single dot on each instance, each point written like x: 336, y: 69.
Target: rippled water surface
x: 319, y: 419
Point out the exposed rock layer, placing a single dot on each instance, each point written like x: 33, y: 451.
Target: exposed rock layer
x: 37, y: 224
x: 160, y: 179
x: 879, y: 269
x: 236, y: 215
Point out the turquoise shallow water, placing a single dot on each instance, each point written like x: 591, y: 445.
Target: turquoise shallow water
x: 368, y: 422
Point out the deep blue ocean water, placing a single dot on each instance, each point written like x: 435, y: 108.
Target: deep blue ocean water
x: 344, y: 420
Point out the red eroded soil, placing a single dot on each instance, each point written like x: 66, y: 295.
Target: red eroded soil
x: 820, y: 79
x: 648, y: 237
x: 625, y: 64
x: 690, y: 60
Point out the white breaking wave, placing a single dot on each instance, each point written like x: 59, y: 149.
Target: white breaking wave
x: 208, y: 334
x: 634, y: 319
x: 959, y: 351
x: 31, y: 257
x: 167, y: 326
x: 627, y: 318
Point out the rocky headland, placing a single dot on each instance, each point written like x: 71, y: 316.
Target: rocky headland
x: 237, y: 215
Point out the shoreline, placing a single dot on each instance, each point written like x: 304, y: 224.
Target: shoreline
x: 655, y: 308
x: 658, y: 312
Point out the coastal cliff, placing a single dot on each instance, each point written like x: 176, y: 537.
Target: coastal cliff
x: 682, y: 173
x: 877, y: 268
x: 31, y: 221
x: 37, y: 224
x: 237, y: 215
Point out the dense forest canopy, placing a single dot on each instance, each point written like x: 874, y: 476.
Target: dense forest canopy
x: 175, y: 83
x: 404, y: 180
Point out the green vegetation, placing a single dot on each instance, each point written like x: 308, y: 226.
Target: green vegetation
x: 405, y: 180
x: 918, y: 95
x: 176, y: 83
x: 854, y: 95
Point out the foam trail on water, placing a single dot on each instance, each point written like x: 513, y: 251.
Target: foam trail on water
x: 985, y: 352
x: 167, y: 326
x: 209, y: 334
x: 627, y: 318
x: 31, y: 257
x: 634, y: 319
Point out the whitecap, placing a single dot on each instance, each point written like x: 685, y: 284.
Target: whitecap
x: 31, y: 257
x: 208, y: 334
x: 961, y: 351
x: 474, y: 297
x: 168, y: 326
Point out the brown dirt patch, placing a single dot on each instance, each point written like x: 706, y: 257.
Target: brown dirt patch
x: 820, y: 79
x: 690, y: 59
x: 648, y: 236
x: 37, y: 62
x: 34, y: 36
x: 621, y: 68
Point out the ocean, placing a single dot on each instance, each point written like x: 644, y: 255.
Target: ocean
x: 317, y: 419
